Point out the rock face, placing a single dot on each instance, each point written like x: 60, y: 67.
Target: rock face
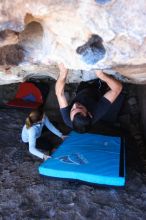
x: 84, y: 35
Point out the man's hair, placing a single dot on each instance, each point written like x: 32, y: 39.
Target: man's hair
x: 81, y: 123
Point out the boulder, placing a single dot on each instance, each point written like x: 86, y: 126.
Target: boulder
x: 84, y: 35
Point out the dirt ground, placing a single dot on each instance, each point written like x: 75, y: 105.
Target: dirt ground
x: 24, y: 194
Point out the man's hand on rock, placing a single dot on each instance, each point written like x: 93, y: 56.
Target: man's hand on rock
x: 63, y: 70
x: 99, y: 73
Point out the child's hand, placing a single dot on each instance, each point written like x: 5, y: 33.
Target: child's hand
x: 64, y: 137
x: 45, y: 157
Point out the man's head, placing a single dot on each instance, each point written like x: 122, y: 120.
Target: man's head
x: 80, y: 117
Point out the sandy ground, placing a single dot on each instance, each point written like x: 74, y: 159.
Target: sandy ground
x: 24, y: 194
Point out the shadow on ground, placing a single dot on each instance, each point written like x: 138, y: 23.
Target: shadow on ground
x: 24, y: 194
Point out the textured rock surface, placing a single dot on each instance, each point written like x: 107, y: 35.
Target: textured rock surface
x: 85, y: 35
x: 26, y: 195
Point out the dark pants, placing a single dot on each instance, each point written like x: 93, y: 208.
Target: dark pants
x: 115, y: 109
x: 98, y: 88
x: 48, y: 140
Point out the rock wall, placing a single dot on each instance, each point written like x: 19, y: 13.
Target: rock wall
x: 85, y: 35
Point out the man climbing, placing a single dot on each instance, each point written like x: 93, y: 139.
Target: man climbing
x: 96, y: 100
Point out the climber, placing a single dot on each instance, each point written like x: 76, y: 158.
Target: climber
x: 96, y: 100
x: 33, y: 129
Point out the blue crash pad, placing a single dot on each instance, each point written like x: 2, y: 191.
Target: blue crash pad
x: 88, y: 157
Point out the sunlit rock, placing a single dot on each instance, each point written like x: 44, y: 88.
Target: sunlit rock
x: 84, y: 35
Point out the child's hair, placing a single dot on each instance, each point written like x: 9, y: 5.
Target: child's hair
x: 34, y: 117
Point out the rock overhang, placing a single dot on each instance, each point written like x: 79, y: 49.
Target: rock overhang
x: 84, y: 35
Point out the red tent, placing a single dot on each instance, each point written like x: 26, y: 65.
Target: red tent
x: 28, y: 96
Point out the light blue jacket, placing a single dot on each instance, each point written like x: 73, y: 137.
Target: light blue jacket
x: 31, y: 134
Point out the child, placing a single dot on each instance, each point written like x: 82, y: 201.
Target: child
x: 32, y: 130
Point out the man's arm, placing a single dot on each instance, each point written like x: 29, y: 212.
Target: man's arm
x: 114, y: 85
x: 60, y: 85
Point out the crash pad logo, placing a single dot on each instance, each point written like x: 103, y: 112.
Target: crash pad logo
x: 76, y: 159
